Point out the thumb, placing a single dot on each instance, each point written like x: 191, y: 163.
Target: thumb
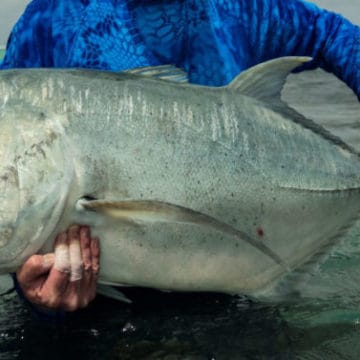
x: 34, y: 267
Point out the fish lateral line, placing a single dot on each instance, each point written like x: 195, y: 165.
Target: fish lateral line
x: 152, y: 211
x: 321, y: 190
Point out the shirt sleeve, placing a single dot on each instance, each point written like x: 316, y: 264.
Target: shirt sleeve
x: 278, y: 28
x: 30, y: 43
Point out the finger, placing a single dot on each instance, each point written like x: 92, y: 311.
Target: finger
x: 85, y: 247
x: 76, y: 262
x: 72, y: 298
x: 33, y: 268
x: 61, y: 289
x: 62, y: 255
x: 80, y: 293
x: 88, y: 283
x: 95, y: 255
x: 87, y: 259
x: 95, y: 252
x: 50, y: 293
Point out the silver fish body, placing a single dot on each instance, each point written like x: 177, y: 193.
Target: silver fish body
x: 186, y: 178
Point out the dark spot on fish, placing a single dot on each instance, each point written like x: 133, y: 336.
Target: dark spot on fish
x: 52, y: 136
x: 11, y: 175
x: 262, y: 208
x: 36, y: 149
x: 260, y: 232
x: 42, y: 116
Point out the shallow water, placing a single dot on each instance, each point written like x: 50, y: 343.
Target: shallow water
x: 323, y: 324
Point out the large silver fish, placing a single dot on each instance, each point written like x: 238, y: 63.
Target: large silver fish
x: 188, y: 187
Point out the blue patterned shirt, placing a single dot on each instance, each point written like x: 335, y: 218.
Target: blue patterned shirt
x: 213, y: 40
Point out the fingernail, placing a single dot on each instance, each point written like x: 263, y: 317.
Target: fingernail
x: 48, y: 260
x: 74, y: 229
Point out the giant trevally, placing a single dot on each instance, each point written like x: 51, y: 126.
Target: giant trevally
x: 188, y: 187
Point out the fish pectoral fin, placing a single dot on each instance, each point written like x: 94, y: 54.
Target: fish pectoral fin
x: 112, y: 293
x: 152, y: 211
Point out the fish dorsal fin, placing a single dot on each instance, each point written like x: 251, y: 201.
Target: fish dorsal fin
x: 266, y: 80
x: 163, y: 72
x: 151, y: 211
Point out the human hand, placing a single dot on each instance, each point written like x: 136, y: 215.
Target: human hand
x: 65, y: 279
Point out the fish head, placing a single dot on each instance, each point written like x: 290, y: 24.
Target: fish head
x: 35, y: 175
